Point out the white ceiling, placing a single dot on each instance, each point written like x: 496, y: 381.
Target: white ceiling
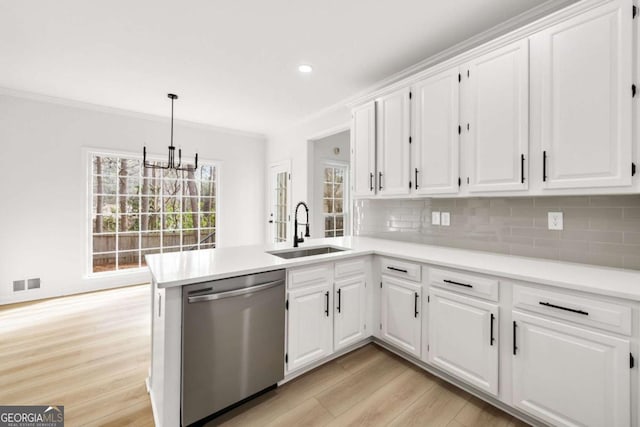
x: 233, y: 63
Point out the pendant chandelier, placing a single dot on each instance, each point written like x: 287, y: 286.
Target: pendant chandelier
x: 171, y: 162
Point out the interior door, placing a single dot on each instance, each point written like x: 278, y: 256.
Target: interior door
x: 401, y: 313
x: 583, y: 75
x: 435, y: 142
x: 350, y: 311
x: 496, y: 128
x: 310, y: 325
x: 279, y: 201
x: 363, y: 150
x: 570, y: 376
x: 463, y: 338
x: 393, y: 148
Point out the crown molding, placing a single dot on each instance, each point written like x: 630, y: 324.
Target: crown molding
x: 523, y: 25
x: 124, y: 113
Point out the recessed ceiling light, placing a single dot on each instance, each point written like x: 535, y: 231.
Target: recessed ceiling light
x: 305, y: 68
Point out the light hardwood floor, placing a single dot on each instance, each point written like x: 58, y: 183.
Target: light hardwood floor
x: 90, y: 353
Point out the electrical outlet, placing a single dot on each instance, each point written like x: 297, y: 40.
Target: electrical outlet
x: 435, y: 218
x: 33, y: 283
x: 445, y: 219
x: 556, y: 221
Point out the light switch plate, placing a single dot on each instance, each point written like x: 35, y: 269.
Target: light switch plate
x: 445, y: 219
x: 435, y: 218
x: 556, y: 221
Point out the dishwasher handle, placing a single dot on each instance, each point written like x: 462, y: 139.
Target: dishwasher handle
x: 235, y: 292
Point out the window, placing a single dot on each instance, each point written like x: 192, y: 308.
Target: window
x: 137, y: 211
x: 334, y: 200
x: 279, y: 201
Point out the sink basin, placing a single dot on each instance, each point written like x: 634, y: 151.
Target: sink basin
x: 299, y: 253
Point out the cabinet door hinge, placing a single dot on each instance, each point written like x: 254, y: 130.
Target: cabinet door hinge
x: 286, y: 358
x: 428, y: 347
x: 380, y: 285
x: 289, y: 177
x: 634, y: 11
x: 365, y: 284
x: 459, y: 129
x: 633, y: 91
x: 409, y: 140
x: 286, y: 305
x: 409, y: 185
x: 380, y: 325
x: 428, y: 298
x: 410, y: 95
x: 468, y: 74
x: 632, y: 361
x: 467, y: 180
x: 633, y: 169
x: 459, y: 182
x: 459, y: 77
x: 365, y: 326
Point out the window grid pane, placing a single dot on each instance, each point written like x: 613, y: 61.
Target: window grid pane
x: 333, y: 202
x: 137, y: 211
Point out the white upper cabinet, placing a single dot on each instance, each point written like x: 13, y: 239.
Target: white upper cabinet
x: 570, y: 376
x: 582, y: 75
x: 495, y: 121
x: 435, y: 122
x: 363, y: 150
x: 393, y: 148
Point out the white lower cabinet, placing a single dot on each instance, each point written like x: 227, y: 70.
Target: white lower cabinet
x: 349, y: 313
x: 463, y: 338
x: 401, y: 314
x: 568, y: 375
x: 310, y: 325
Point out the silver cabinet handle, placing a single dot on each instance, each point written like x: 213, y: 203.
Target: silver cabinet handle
x: 235, y: 293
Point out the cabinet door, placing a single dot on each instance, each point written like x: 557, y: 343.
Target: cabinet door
x: 463, y: 338
x: 582, y: 71
x: 350, y: 310
x: 363, y: 146
x: 570, y: 376
x: 310, y: 325
x: 496, y: 129
x: 401, y: 313
x: 435, y: 134
x: 393, y: 143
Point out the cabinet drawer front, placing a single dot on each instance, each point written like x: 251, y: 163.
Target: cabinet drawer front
x: 349, y: 268
x: 314, y: 275
x: 483, y: 287
x: 406, y: 270
x: 578, y: 309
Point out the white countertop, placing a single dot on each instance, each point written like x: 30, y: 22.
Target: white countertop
x: 183, y: 268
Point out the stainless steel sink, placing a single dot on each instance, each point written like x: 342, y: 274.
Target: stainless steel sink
x: 299, y: 253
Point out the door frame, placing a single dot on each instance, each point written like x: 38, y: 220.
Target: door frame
x: 312, y: 139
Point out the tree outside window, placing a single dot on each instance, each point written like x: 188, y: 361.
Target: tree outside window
x: 137, y: 211
x: 334, y: 200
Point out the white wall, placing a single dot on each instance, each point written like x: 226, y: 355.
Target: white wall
x: 323, y: 152
x: 295, y: 143
x: 43, y: 230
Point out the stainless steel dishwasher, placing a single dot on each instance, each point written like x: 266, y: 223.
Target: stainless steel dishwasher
x: 232, y: 341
